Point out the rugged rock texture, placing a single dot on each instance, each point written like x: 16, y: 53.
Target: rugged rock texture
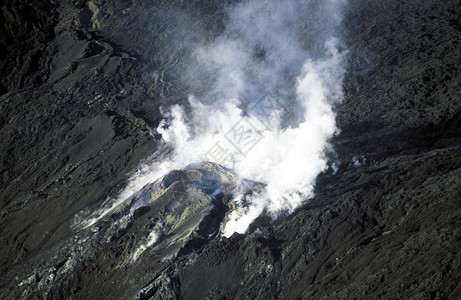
x: 82, y: 83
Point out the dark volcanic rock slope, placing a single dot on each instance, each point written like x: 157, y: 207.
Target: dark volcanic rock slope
x: 82, y: 83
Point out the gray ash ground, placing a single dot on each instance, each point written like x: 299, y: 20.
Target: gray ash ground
x: 81, y: 85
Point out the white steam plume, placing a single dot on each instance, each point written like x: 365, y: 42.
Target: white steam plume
x: 276, y: 74
x: 287, y: 159
x: 269, y: 114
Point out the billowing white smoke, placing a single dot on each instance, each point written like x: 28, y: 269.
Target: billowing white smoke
x: 287, y: 159
x: 268, y: 115
x: 243, y: 122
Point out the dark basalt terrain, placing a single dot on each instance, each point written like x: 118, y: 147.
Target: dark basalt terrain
x: 81, y: 85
